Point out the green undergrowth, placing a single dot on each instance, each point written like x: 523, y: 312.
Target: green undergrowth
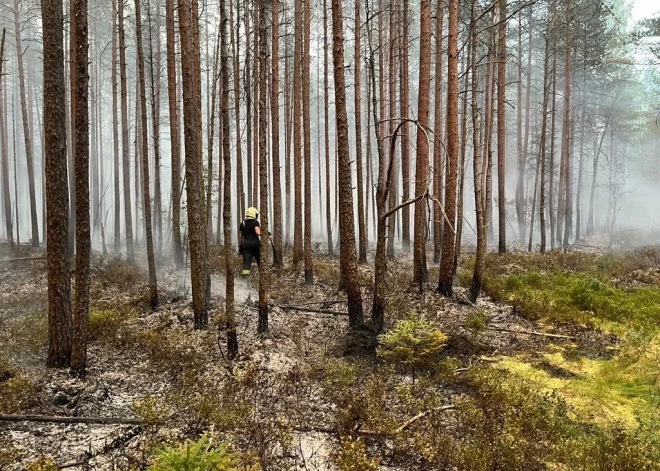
x: 614, y: 293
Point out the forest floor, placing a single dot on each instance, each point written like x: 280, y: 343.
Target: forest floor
x: 555, y: 367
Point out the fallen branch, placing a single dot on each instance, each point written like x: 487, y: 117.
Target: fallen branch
x: 72, y: 465
x: 24, y: 259
x: 69, y: 420
x: 421, y: 415
x: 532, y: 332
x: 317, y: 311
x: 405, y: 426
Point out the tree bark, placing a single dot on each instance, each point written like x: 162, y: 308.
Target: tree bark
x: 115, y: 134
x: 190, y: 66
x: 405, y: 133
x: 445, y: 280
x: 438, y: 173
x: 501, y: 125
x: 230, y: 314
x: 128, y: 217
x: 477, y: 274
x: 309, y: 273
x: 80, y: 102
x: 420, y: 274
x: 177, y: 248
x: 362, y: 229
x: 262, y: 326
x: 326, y: 130
x: 348, y: 263
x: 154, y: 72
x: 59, y: 304
x: 275, y: 151
x: 29, y: 153
x: 5, y: 153
x: 146, y: 198
x: 297, y: 138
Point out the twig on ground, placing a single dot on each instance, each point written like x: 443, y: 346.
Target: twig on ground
x: 69, y: 420
x: 531, y: 332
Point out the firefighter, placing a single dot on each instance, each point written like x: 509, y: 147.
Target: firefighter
x: 248, y: 240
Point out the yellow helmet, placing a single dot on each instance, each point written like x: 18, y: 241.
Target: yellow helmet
x: 251, y: 213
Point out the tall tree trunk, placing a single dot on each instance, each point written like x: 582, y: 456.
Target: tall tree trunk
x: 326, y: 129
x: 421, y: 173
x: 309, y: 277
x: 405, y: 136
x: 275, y: 151
x: 5, y: 154
x: 544, y: 126
x: 438, y: 173
x: 566, y: 133
x: 297, y: 138
x: 115, y: 133
x: 146, y: 198
x: 501, y: 125
x: 230, y: 314
x: 154, y: 73
x: 190, y: 66
x: 128, y: 217
x: 477, y: 274
x: 174, y: 134
x: 263, y: 164
x: 362, y: 228
x: 210, y: 126
x: 240, y: 192
x: 348, y: 263
x: 59, y: 303
x: 445, y: 280
x: 551, y: 169
x: 393, y: 115
x: 29, y: 153
x: 80, y: 102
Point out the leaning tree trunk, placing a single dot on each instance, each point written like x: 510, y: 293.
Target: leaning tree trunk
x: 57, y: 201
x: 80, y: 102
x: 421, y: 174
x: 445, y: 280
x: 348, y: 262
x: 190, y: 66
x: 29, y: 153
x: 144, y: 140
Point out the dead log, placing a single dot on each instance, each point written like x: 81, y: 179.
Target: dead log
x: 317, y: 311
x: 70, y: 420
x: 25, y: 259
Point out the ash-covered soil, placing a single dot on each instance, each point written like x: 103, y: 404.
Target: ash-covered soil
x: 281, y: 391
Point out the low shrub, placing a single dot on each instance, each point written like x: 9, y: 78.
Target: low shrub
x: 414, y: 343
x: 199, y: 455
x: 16, y: 391
x: 352, y: 456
